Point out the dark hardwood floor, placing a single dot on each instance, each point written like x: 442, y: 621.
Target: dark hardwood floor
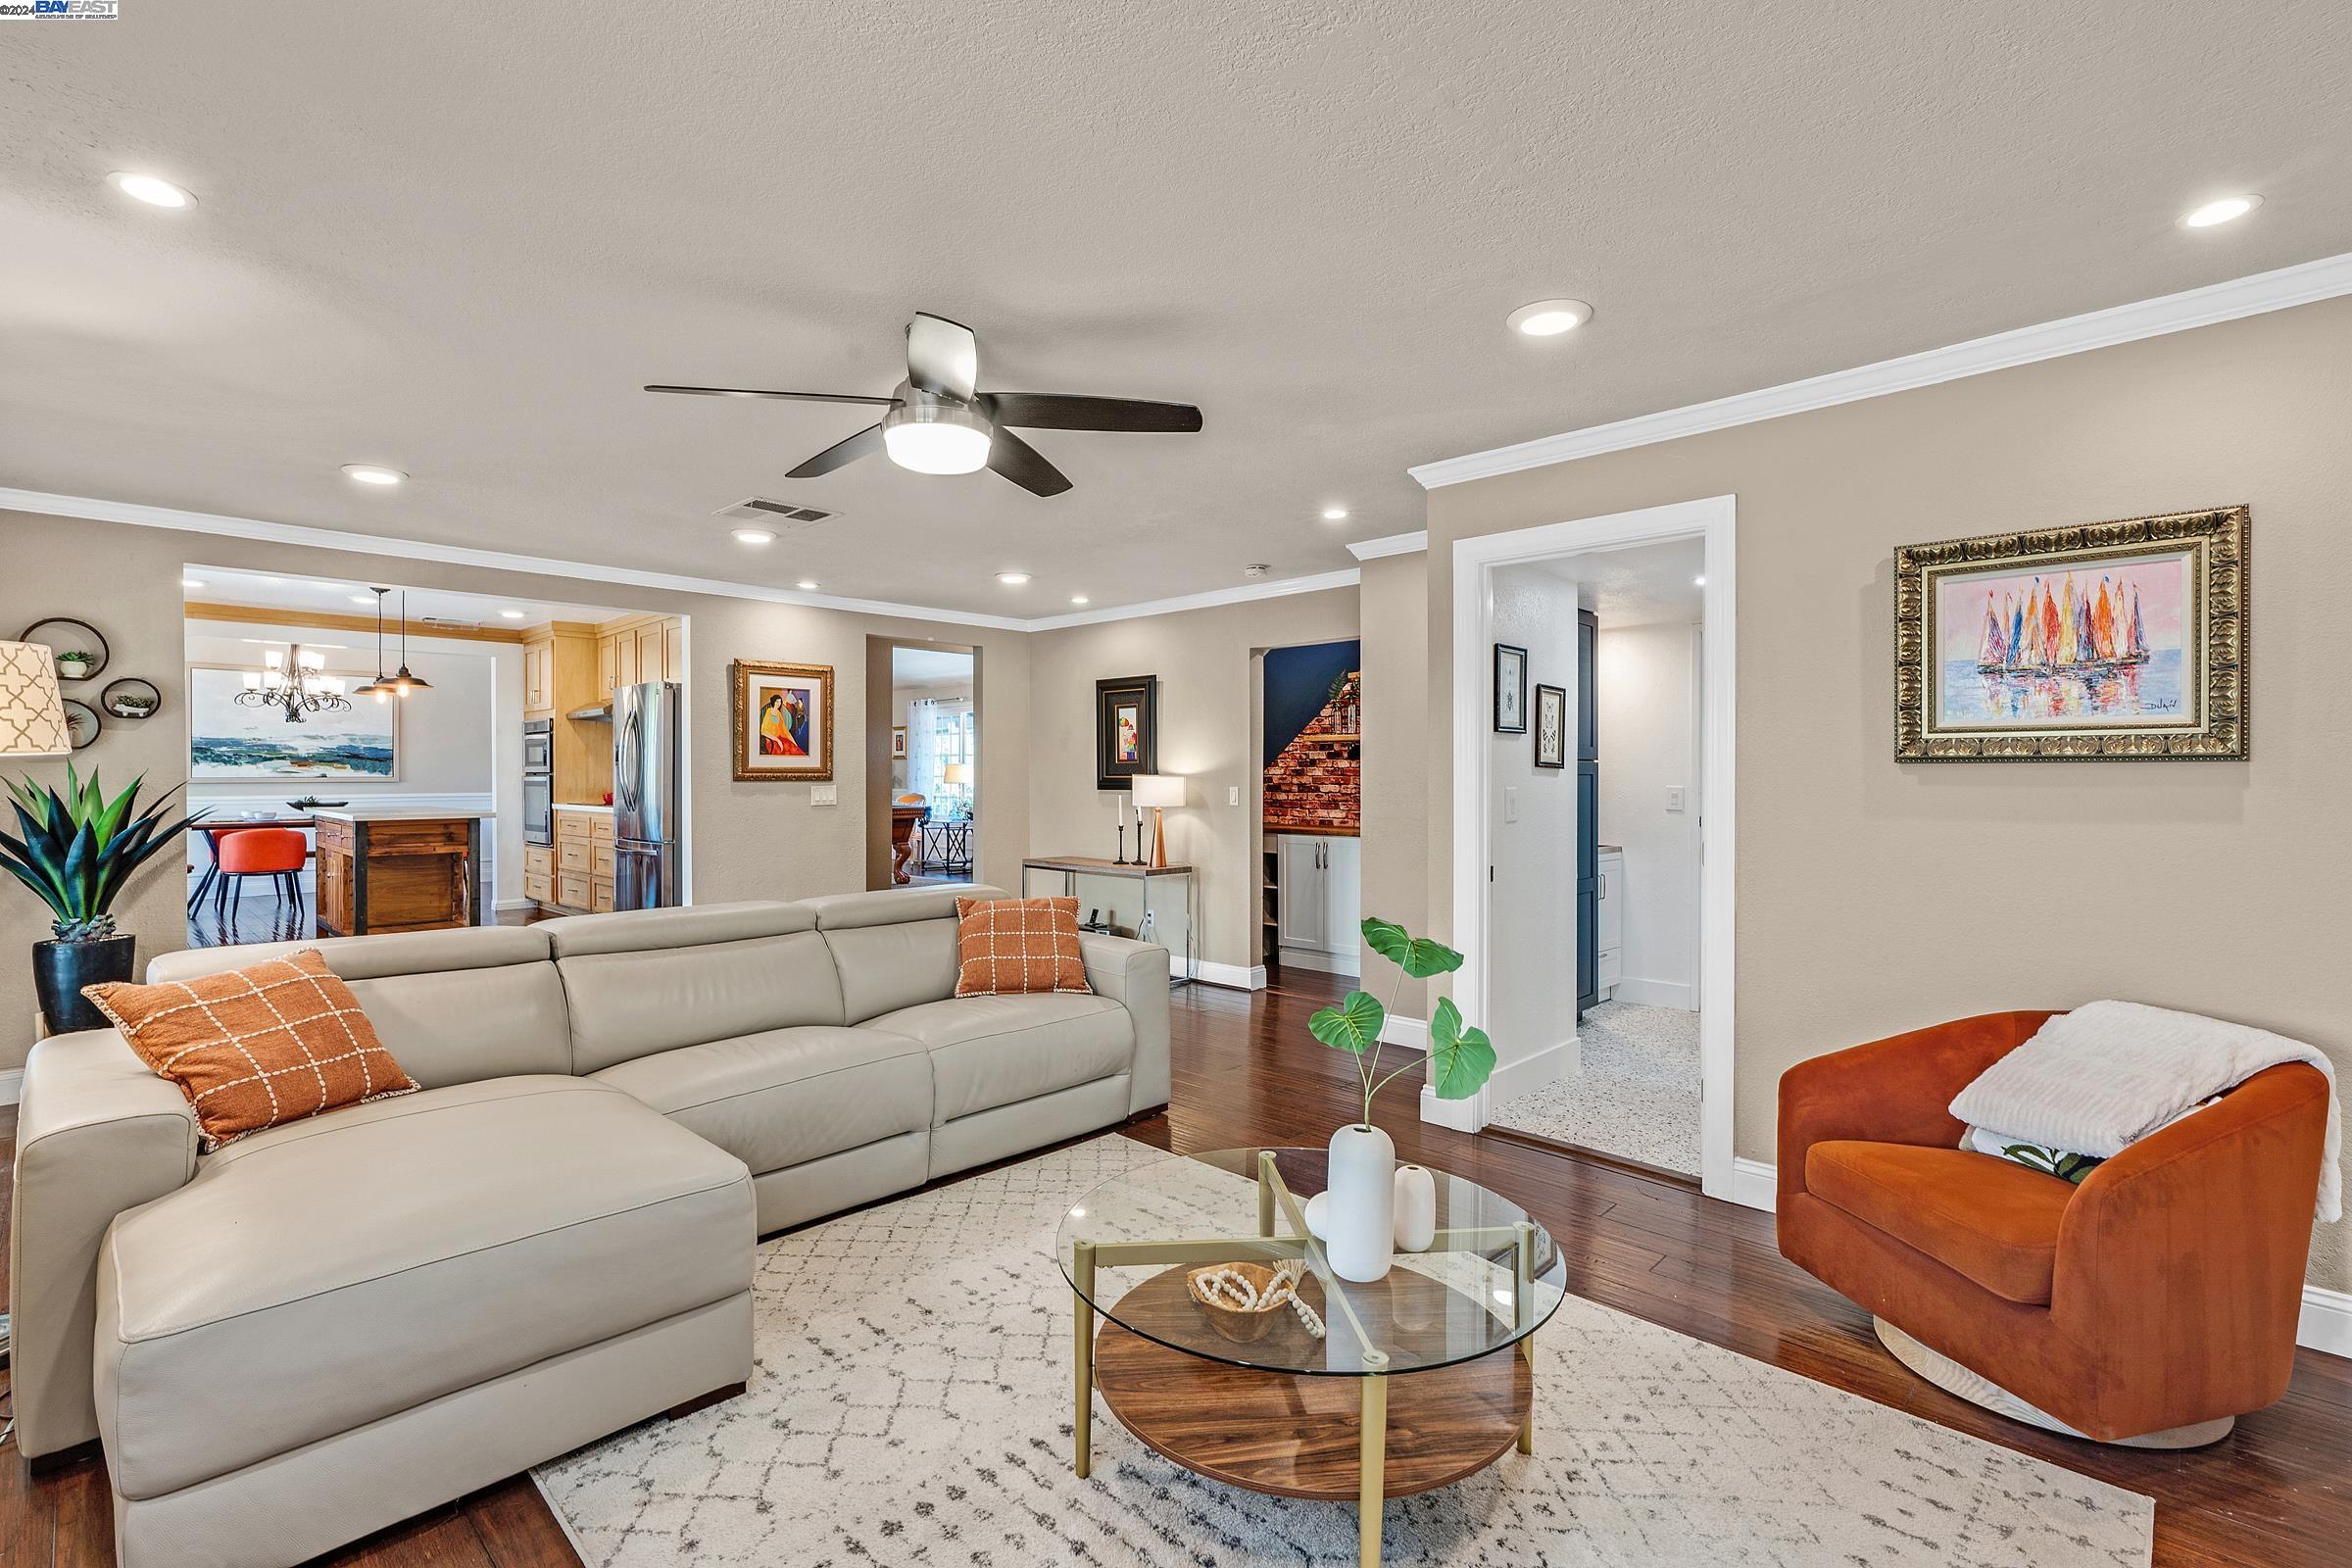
x: 2277, y: 1494
x: 263, y: 916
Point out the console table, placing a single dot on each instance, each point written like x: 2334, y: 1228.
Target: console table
x: 1073, y: 866
x: 945, y: 845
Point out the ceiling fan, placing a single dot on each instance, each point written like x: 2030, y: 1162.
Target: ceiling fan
x: 941, y: 422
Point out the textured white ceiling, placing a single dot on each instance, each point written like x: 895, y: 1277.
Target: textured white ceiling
x: 456, y: 238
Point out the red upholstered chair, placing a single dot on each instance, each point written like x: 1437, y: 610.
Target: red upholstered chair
x: 2153, y: 1305
x: 277, y: 853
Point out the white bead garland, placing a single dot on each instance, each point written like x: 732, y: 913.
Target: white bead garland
x: 1230, y: 1287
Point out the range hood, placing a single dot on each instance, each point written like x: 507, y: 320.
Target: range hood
x: 601, y: 714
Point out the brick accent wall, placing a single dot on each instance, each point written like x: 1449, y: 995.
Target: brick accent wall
x: 1317, y: 780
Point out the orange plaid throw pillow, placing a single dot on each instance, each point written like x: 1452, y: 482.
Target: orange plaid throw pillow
x: 1008, y: 946
x: 273, y: 1042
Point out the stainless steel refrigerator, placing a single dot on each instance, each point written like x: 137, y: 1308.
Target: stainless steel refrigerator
x: 648, y: 740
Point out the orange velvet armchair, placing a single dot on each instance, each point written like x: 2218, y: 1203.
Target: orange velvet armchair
x: 2157, y: 1299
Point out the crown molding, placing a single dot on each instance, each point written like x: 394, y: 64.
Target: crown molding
x: 1278, y: 589
x: 1395, y: 544
x: 225, y: 526
x: 2304, y: 284
x: 286, y: 533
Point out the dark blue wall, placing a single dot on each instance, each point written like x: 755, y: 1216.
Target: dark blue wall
x: 1298, y: 684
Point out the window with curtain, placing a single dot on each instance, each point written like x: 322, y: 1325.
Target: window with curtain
x: 940, y: 732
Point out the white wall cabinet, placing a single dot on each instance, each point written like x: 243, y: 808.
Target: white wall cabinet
x: 1322, y: 884
x: 1612, y: 920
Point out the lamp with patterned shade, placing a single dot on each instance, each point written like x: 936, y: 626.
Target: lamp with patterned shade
x: 32, y: 714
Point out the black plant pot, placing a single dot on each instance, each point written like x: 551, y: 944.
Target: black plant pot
x: 60, y: 970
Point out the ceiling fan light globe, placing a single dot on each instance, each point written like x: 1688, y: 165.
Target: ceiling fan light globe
x: 931, y: 438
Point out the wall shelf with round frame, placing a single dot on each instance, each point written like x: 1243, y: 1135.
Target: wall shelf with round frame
x: 131, y: 697
x: 65, y: 637
x: 82, y: 722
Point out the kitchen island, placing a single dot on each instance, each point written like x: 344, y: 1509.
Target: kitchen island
x: 399, y: 868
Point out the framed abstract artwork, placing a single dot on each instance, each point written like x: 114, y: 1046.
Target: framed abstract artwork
x: 783, y: 720
x: 898, y: 743
x: 1551, y: 727
x: 2123, y: 641
x: 1126, y: 730
x: 1511, y: 690
x: 229, y: 741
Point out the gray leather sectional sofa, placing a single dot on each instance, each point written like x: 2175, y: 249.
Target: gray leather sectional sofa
x: 335, y: 1324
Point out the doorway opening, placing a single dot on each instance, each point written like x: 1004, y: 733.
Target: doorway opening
x: 928, y: 790
x: 1593, y: 695
x: 1311, y: 803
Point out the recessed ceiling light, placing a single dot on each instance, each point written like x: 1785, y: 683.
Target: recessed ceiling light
x: 362, y: 598
x: 805, y: 585
x: 1699, y: 582
x: 509, y: 614
x: 753, y: 536
x: 374, y: 473
x: 189, y: 582
x: 1334, y: 514
x: 2219, y: 210
x: 1013, y: 579
x: 149, y: 189
x: 1551, y: 317
x: 1079, y: 599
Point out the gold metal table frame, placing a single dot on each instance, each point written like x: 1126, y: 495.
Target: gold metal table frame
x: 1274, y: 1197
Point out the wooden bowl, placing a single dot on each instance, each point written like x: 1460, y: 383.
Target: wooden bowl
x: 1238, y: 1324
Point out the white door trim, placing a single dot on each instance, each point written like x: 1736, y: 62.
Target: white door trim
x: 1711, y: 520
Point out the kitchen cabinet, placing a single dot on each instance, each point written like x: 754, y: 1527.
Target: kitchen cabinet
x: 639, y: 648
x: 674, y: 648
x: 1319, y: 884
x: 649, y: 652
x: 539, y: 678
x: 539, y: 872
x: 607, y: 669
x: 582, y: 856
x: 1610, y: 962
x: 394, y: 870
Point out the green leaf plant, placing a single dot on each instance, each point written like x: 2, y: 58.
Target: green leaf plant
x: 76, y: 851
x: 1459, y: 1059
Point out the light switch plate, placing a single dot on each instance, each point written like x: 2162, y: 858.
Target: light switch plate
x: 1511, y: 802
x: 1233, y: 795
x: 824, y: 795
x: 1674, y: 797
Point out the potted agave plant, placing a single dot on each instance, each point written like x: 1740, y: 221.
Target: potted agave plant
x: 1361, y: 1175
x: 76, y: 851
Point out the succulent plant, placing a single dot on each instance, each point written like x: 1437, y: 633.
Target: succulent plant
x: 78, y: 849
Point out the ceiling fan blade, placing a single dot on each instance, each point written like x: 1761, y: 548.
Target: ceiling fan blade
x: 841, y: 453
x: 942, y: 356
x: 1062, y: 411
x: 1016, y: 460
x: 796, y: 397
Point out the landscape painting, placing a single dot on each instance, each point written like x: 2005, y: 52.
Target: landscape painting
x: 228, y: 742
x: 2113, y: 641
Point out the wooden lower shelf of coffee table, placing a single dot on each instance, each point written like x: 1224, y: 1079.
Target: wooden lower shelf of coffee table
x: 1297, y: 1437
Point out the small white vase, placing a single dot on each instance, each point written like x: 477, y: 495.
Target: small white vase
x: 1416, y: 1208
x: 1362, y: 1183
x: 1318, y: 1216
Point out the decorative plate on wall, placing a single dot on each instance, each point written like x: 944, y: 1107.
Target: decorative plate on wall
x: 82, y: 722
x: 81, y: 651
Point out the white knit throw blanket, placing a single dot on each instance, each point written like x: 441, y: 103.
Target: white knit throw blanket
x: 2109, y: 1073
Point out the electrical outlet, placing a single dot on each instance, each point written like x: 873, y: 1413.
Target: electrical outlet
x: 1511, y: 802
x: 824, y: 795
x: 1674, y: 797
x: 1233, y: 795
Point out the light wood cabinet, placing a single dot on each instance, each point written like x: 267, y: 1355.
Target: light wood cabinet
x: 649, y: 652
x: 674, y: 648
x: 625, y: 659
x: 640, y: 648
x: 539, y: 872
x: 539, y: 678
x: 605, y: 667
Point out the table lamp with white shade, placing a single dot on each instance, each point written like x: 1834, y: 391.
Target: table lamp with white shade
x: 1155, y: 793
x: 32, y: 711
x: 956, y: 773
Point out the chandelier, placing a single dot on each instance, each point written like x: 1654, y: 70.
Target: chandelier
x: 295, y: 682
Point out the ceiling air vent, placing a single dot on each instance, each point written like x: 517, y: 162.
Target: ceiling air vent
x: 448, y: 623
x: 760, y: 509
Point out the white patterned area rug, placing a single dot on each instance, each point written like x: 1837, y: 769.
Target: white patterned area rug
x: 910, y: 1404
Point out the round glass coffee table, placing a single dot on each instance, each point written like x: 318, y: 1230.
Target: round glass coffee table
x: 1411, y: 1382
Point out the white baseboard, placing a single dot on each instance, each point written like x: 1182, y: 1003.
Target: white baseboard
x: 1530, y: 1073
x: 504, y: 905
x: 1459, y: 1115
x: 1755, y: 1184
x: 1234, y: 975
x: 12, y: 1086
x: 1656, y: 994
x: 1411, y: 1033
x: 1347, y: 963
x: 2327, y: 1320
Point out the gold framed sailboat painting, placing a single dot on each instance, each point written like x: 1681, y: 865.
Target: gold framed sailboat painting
x: 2121, y: 641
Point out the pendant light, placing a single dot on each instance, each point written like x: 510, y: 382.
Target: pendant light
x: 402, y: 681
x: 377, y: 688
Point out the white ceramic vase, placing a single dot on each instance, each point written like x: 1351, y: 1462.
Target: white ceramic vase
x: 1416, y: 1208
x: 1362, y: 1218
